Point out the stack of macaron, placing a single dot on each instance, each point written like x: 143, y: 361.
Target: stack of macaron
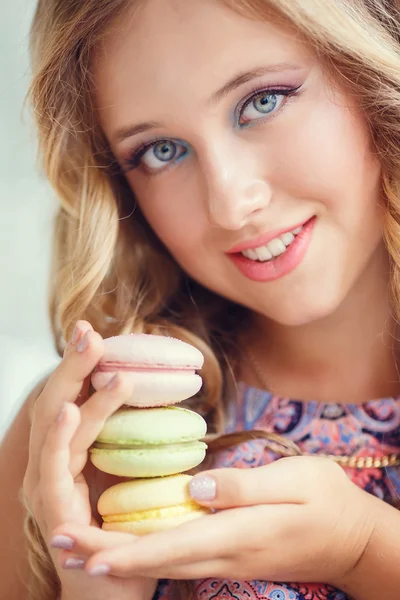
x: 150, y: 439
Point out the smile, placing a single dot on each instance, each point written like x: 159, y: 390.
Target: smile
x: 276, y: 257
x: 274, y: 248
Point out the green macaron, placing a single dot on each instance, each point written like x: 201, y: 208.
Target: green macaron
x: 154, y: 442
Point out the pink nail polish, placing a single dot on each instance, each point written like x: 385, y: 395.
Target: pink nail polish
x: 74, y: 563
x: 113, y: 382
x: 76, y: 334
x: 62, y: 542
x: 203, y: 488
x: 83, y: 344
x: 61, y: 415
x: 100, y: 569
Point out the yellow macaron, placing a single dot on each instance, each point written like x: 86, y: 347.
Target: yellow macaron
x: 144, y: 506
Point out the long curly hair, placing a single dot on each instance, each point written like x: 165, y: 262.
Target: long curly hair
x: 108, y: 266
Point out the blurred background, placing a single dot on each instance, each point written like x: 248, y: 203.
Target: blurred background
x: 26, y: 212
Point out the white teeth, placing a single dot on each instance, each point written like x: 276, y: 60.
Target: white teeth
x: 250, y: 254
x: 287, y: 238
x: 274, y: 248
x: 264, y: 253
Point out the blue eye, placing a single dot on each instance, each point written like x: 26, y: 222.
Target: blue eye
x: 162, y: 151
x: 264, y: 103
x: 157, y: 155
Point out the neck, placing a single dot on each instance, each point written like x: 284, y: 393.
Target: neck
x: 346, y: 357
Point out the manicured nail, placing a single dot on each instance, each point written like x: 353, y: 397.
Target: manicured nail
x: 76, y: 334
x: 84, y: 343
x: 113, y: 382
x: 99, y: 570
x: 203, y: 488
x: 62, y: 542
x: 74, y: 563
x: 61, y: 414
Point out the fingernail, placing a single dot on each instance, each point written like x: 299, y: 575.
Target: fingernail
x: 113, y: 382
x: 62, y: 542
x: 76, y: 334
x: 61, y: 414
x: 99, y: 570
x: 84, y: 343
x: 74, y: 563
x: 203, y: 488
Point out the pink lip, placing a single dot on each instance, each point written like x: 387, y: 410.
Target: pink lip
x: 279, y: 266
x: 263, y: 239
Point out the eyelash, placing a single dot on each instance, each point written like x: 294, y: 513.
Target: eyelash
x: 276, y: 91
x: 133, y: 162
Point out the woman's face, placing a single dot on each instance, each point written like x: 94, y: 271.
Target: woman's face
x: 232, y: 139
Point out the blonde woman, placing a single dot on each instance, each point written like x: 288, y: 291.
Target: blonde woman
x: 228, y: 173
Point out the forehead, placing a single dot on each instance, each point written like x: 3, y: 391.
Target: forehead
x: 167, y: 50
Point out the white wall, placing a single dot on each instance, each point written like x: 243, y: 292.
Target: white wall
x: 26, y: 211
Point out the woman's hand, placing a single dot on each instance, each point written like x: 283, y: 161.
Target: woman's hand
x: 55, y: 487
x: 299, y: 519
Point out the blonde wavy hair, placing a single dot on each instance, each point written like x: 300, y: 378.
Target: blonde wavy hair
x: 108, y: 267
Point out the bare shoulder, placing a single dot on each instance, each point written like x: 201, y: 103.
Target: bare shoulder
x: 15, y: 445
x: 14, y: 452
x: 17, y: 435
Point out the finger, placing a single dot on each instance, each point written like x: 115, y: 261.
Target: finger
x: 81, y: 328
x: 215, y: 536
x: 64, y: 385
x: 284, y: 481
x: 72, y: 561
x: 79, y: 331
x: 221, y: 539
x: 56, y: 481
x: 220, y: 568
x: 67, y: 379
x: 94, y: 413
x: 85, y: 540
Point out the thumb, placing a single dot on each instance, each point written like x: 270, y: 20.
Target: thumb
x: 276, y: 483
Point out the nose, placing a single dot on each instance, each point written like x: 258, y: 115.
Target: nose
x: 235, y: 195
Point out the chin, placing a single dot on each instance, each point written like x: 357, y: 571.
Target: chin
x: 303, y: 311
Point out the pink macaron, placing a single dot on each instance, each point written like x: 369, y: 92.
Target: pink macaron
x: 162, y: 369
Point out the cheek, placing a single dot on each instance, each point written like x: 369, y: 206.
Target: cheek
x: 331, y: 160
x: 174, y: 212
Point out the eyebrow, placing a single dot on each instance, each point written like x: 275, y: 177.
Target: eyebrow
x: 247, y: 76
x: 238, y: 80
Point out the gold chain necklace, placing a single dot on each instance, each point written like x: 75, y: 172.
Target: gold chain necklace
x: 356, y: 462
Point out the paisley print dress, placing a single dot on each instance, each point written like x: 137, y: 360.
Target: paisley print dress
x: 369, y: 429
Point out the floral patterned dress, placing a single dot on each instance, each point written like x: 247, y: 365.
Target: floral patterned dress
x: 369, y: 429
